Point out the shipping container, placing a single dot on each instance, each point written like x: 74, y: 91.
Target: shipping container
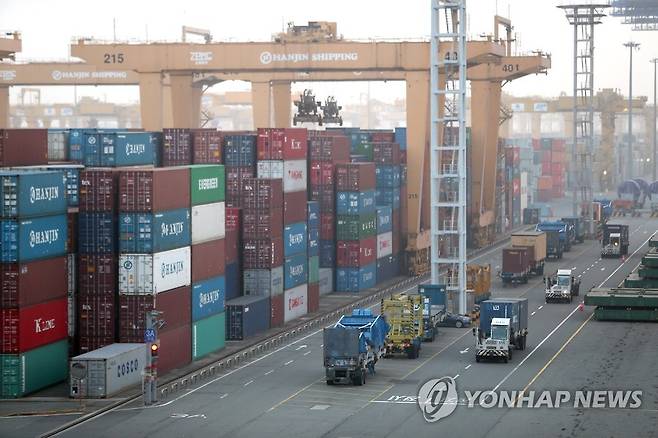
x: 132, y: 316
x: 262, y: 223
x: 96, y: 320
x: 97, y: 233
x: 261, y: 193
x: 233, y: 277
x: 154, y: 190
x: 390, y: 197
x: 208, y: 222
x: 27, y: 284
x: 313, y: 247
x: 384, y: 219
x: 23, y: 147
x: 295, y: 270
x: 330, y: 148
x: 116, y: 149
x: 37, y: 238
x: 313, y: 269
x: 208, y: 260
x: 247, y: 316
x: 387, y: 268
x: 208, y: 335
x: 291, y: 207
x: 327, y: 226
x: 321, y: 173
x: 356, y: 279
x: 207, y: 146
x: 25, y: 373
x: 267, y: 282
x: 327, y: 253
x: 385, y: 152
x: 97, y: 274
x: 72, y: 290
x: 388, y: 176
x: 294, y: 176
x: 326, y: 281
x: 294, y: 239
x: 400, y: 137
x: 232, y: 246
x: 355, y: 203
x: 234, y: 177
x: 269, y: 169
x: 295, y: 302
x: 207, y: 183
x: 208, y: 298
x: 154, y: 273
x: 98, y: 190
x: 277, y: 311
x: 356, y: 253
x: 355, y: 177
x: 30, y: 327
x: 313, y: 297
x: 282, y: 143
x: 175, y: 348
x: 26, y: 194
x: 240, y: 150
x: 352, y: 227
x: 384, y: 244
x: 74, y: 148
x: 176, y: 147
x: 324, y: 195
x: 176, y: 307
x: 313, y: 214
x: 262, y: 253
x: 154, y: 232
x: 58, y: 140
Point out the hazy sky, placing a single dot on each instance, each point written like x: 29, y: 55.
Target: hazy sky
x: 48, y: 26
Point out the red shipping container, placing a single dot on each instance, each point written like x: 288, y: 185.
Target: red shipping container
x: 277, y: 310
x: 207, y: 146
x: 262, y: 223
x: 98, y: 189
x: 356, y: 253
x: 325, y: 196
x: 382, y: 136
x: 72, y: 233
x: 154, y: 190
x: 262, y: 253
x: 97, y: 274
x: 313, y: 297
x: 231, y: 247
x: 261, y: 193
x: 176, y: 306
x: 294, y: 207
x: 355, y: 177
x: 516, y: 186
x: 96, y: 321
x: 557, y: 169
x: 132, y: 311
x: 327, y: 226
x: 282, y: 144
x: 31, y: 327
x: 27, y: 284
x: 559, y: 144
x: 386, y: 153
x: 208, y: 260
x: 321, y: 173
x: 176, y: 147
x: 544, y: 195
x: 232, y: 221
x: 23, y: 147
x: 546, y: 168
x: 330, y: 148
x: 175, y: 348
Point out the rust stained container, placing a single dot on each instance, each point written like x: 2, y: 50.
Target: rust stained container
x: 208, y: 260
x: 355, y: 177
x: 231, y: 247
x: 72, y: 233
x: 175, y: 348
x: 282, y: 143
x: 277, y: 303
x: 176, y: 306
x: 313, y: 297
x: 154, y: 190
x: 331, y: 148
x: 386, y: 153
x: 356, y: 253
x: 321, y: 173
x: 31, y: 327
x: 27, y: 284
x: 99, y: 189
x: 261, y: 193
x: 262, y: 253
x: 294, y: 207
x: 262, y: 223
x: 97, y: 274
x: 176, y: 147
x: 207, y: 146
x: 96, y: 320
x: 327, y: 226
x: 326, y: 197
x: 23, y: 147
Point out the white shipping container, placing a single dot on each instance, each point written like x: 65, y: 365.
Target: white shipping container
x: 146, y: 274
x: 208, y: 222
x: 107, y: 371
x: 57, y: 141
x: 326, y: 281
x: 294, y: 176
x: 524, y: 191
x: 269, y: 169
x: 295, y: 302
x: 384, y: 244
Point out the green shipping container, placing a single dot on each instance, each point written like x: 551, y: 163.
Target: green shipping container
x: 33, y: 370
x: 207, y: 183
x: 650, y: 260
x: 208, y: 335
x: 364, y: 149
x: 624, y: 314
x: 356, y: 227
x: 314, y: 269
x: 635, y: 282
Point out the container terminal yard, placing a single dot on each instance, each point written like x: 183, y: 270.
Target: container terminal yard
x: 475, y: 250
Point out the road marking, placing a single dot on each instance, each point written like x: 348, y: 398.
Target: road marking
x: 307, y: 353
x: 574, y: 267
x: 294, y: 395
x: 580, y: 275
x: 223, y: 396
x: 533, y: 313
x: 321, y: 345
x: 465, y: 351
x: 603, y: 269
x: 468, y: 366
x: 456, y: 377
x: 289, y: 362
x: 248, y: 383
x: 540, y: 307
x: 300, y: 347
x: 269, y: 372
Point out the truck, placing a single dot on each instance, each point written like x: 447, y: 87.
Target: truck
x: 516, y: 265
x: 434, y: 306
x: 536, y: 240
x: 577, y: 228
x: 404, y: 315
x: 561, y: 230
x: 614, y: 242
x: 562, y: 286
x: 353, y: 346
x: 503, y: 328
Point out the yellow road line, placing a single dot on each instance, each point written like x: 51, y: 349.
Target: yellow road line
x: 294, y: 395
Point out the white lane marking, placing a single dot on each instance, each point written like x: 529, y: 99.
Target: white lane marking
x: 603, y: 269
x: 533, y: 313
x: 465, y: 351
x: 248, y: 383
x: 300, y: 347
x: 321, y: 345
x: 574, y: 267
x: 580, y: 275
x: 540, y: 307
x: 268, y: 373
x: 456, y: 377
x: 307, y: 353
x: 223, y: 396
x: 468, y: 366
x: 289, y: 362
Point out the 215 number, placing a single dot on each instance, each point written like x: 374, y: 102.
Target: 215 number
x: 112, y: 58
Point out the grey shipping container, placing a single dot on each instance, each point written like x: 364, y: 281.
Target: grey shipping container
x: 265, y: 282
x: 247, y: 316
x: 107, y: 371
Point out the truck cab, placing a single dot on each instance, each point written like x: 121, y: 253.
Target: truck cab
x: 497, y: 342
x: 613, y: 248
x: 562, y: 286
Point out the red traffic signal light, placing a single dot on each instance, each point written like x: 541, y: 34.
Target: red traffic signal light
x: 154, y: 349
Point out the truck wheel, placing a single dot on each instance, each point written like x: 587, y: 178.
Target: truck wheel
x: 509, y: 354
x: 505, y: 359
x: 477, y: 358
x: 363, y: 377
x: 330, y: 382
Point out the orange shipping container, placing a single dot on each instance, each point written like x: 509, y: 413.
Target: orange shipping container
x: 544, y: 183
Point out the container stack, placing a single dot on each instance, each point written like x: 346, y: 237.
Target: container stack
x: 313, y: 249
x: 239, y: 162
x: 154, y: 265
x: 176, y: 147
x: 356, y: 227
x: 206, y: 146
x: 112, y: 148
x: 400, y: 219
x: 233, y: 252
x: 513, y: 185
x: 551, y: 159
x: 33, y: 276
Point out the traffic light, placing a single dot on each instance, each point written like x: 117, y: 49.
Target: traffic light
x: 154, y: 349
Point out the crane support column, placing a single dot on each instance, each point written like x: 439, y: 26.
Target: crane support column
x: 151, y: 101
x: 185, y: 101
x: 4, y: 107
x: 260, y: 103
x: 281, y: 102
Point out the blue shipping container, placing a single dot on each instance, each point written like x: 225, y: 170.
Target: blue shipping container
x: 295, y: 270
x: 435, y: 292
x: 32, y: 193
x: 327, y: 253
x: 154, y: 232
x: 240, y: 150
x: 401, y: 137
x: 110, y: 149
x: 208, y: 297
x: 75, y: 150
x: 313, y: 242
x: 37, y: 238
x: 390, y: 197
x: 355, y: 202
x: 72, y: 183
x: 388, y: 176
x: 387, y: 268
x: 96, y: 233
x: 313, y: 214
x: 356, y: 279
x: 232, y: 274
x: 294, y: 238
x: 384, y: 219
x: 247, y: 316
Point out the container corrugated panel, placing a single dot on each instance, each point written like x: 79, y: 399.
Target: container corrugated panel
x: 313, y: 297
x: 294, y: 239
x: 384, y: 219
x: 388, y: 197
x: 71, y: 183
x: 313, y: 214
x: 131, y: 314
x: 176, y: 147
x: 295, y: 270
x: 233, y: 284
x: 74, y: 148
x: 232, y: 246
x: 327, y: 226
x: 58, y: 140
x: 30, y: 327
x: 208, y: 298
x: 38, y: 238
x: 262, y: 253
x: 132, y: 149
x: 276, y: 310
x: 327, y: 253
x: 261, y: 193
x: 27, y: 284
x: 351, y: 227
x: 324, y: 195
x: 176, y: 306
x: 388, y: 176
x: 208, y: 335
x: 175, y: 348
x: 32, y: 193
x: 72, y: 290
x: 282, y: 143
x: 153, y: 190
x: 269, y: 169
x: 400, y: 137
x: 333, y: 148
x: 386, y: 152
x: 23, y: 147
x: 356, y: 279
x: 326, y: 281
x: 355, y: 177
x: 294, y: 176
x: 33, y: 370
x: 97, y: 274
x: 99, y: 189
x: 295, y: 302
x: 247, y: 316
x: 313, y: 269
x: 207, y: 183
x: 234, y: 177
x: 154, y: 232
x: 387, y: 268
x: 384, y: 244
x: 262, y: 223
x: 268, y: 282
x: 291, y: 211
x: 207, y: 146
x: 321, y: 173
x: 355, y: 253
x: 208, y: 260
x: 240, y: 150
x: 313, y: 247
x: 97, y: 233
x: 208, y: 222
x: 355, y: 202
x: 96, y: 320
x: 154, y: 273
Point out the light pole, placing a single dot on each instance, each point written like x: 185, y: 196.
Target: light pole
x: 629, y: 166
x: 653, y: 158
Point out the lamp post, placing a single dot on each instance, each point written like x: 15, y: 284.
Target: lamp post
x: 629, y: 167
x: 653, y: 158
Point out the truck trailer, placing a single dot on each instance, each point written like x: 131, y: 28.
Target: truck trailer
x: 577, y: 228
x: 562, y: 230
x: 536, y: 241
x: 503, y: 328
x: 615, y: 240
x: 516, y: 265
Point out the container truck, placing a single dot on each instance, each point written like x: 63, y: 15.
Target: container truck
x: 404, y: 315
x: 536, y: 240
x: 562, y: 286
x: 561, y: 228
x: 516, y: 265
x: 577, y: 228
x: 353, y: 346
x: 615, y: 240
x: 503, y: 328
x: 434, y: 307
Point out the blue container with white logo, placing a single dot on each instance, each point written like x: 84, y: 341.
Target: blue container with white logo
x: 389, y: 197
x: 388, y: 176
x: 239, y: 150
x: 208, y: 297
x: 154, y: 232
x: 384, y: 219
x: 295, y: 270
x: 401, y: 137
x: 355, y: 203
x: 327, y: 253
x: 313, y: 242
x: 75, y: 148
x: 72, y: 183
x: 356, y: 279
x: 313, y: 214
x: 96, y: 233
x: 110, y: 149
x: 32, y: 193
x: 294, y: 238
x: 24, y: 240
x: 232, y: 275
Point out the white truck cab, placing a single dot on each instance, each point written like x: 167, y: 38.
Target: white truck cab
x: 561, y: 286
x: 613, y: 248
x: 498, y: 342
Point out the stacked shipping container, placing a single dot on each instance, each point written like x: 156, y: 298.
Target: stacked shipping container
x: 313, y: 240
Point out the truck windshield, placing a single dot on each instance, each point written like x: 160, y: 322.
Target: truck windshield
x: 499, y: 332
x: 563, y: 280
